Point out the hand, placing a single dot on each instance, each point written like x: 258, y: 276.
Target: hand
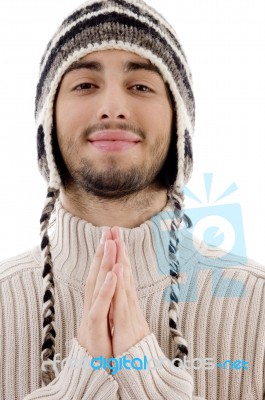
x: 94, y: 333
x: 109, y: 304
x: 126, y: 316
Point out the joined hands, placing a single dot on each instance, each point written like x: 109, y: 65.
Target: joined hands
x: 112, y: 319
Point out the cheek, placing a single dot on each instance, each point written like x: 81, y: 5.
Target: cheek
x: 159, y: 118
x: 71, y: 119
x: 166, y: 119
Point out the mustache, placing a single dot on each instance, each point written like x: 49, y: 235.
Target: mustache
x: 113, y: 126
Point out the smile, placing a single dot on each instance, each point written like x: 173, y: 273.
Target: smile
x: 113, y: 145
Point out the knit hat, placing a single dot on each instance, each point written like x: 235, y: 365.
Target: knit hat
x: 99, y: 25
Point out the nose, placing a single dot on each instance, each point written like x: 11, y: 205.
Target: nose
x: 113, y: 105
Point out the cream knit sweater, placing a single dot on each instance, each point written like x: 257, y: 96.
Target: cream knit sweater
x: 222, y: 316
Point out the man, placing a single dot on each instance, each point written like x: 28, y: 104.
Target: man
x: 115, y: 116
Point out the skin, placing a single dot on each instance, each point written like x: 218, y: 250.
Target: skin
x: 113, y: 189
x: 121, y: 188
x: 108, y: 303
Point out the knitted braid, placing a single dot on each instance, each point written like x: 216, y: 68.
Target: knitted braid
x: 181, y: 343
x: 48, y: 340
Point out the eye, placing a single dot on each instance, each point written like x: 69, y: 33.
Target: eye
x: 142, y: 88
x: 84, y: 86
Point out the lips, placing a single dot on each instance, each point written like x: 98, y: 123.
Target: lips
x: 113, y: 145
x: 118, y: 135
x: 113, y: 140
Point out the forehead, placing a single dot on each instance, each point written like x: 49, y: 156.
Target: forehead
x: 122, y: 60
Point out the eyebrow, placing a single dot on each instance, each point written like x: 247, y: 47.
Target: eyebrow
x: 137, y: 65
x: 129, y: 66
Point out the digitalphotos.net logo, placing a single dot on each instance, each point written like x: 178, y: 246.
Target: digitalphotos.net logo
x: 219, y: 225
x: 114, y: 365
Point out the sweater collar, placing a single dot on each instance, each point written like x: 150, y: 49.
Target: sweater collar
x: 74, y: 242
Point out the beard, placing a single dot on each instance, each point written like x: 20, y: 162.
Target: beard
x: 114, y: 181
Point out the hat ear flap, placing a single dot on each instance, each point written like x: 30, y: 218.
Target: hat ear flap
x: 188, y: 157
x: 42, y: 157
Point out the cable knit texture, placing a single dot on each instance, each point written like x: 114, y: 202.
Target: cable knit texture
x: 227, y: 327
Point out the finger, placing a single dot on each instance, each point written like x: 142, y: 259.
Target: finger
x: 111, y: 318
x: 123, y: 259
x: 122, y: 249
x: 106, y: 265
x: 93, y: 272
x: 100, y: 308
x: 124, y: 306
x: 129, y: 284
x: 120, y: 303
x: 116, y: 232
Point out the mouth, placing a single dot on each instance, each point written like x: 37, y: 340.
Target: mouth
x: 113, y: 145
x: 114, y: 140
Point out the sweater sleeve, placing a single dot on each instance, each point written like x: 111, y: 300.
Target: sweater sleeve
x: 165, y: 381
x: 78, y: 380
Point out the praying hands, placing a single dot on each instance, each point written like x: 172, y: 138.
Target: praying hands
x: 112, y: 319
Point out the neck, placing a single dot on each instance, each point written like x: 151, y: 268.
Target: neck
x: 128, y: 212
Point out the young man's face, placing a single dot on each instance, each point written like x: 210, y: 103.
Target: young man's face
x: 115, y: 92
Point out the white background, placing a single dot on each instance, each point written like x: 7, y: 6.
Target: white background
x: 224, y: 42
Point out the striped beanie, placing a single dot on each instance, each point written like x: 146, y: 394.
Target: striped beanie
x: 99, y: 25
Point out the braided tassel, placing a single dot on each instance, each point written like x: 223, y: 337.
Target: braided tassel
x: 181, y: 344
x: 48, y: 340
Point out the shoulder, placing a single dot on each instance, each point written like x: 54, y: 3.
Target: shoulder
x: 19, y: 264
x: 219, y: 258
x: 196, y: 254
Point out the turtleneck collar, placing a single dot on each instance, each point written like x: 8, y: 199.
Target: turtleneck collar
x: 74, y: 242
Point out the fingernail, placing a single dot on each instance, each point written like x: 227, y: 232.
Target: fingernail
x: 103, y: 238
x: 109, y: 276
